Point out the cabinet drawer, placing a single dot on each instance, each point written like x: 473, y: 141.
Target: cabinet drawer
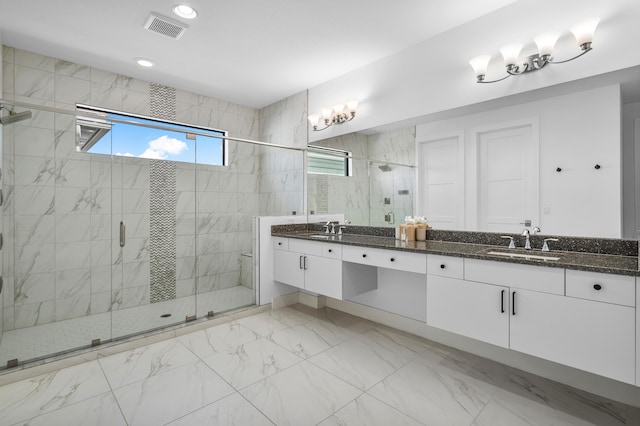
x: 332, y: 251
x: 618, y: 289
x: 280, y: 243
x: 306, y: 247
x: 392, y: 259
x: 535, y: 278
x: 445, y: 266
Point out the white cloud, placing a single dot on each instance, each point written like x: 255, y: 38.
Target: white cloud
x: 153, y: 154
x: 126, y: 154
x: 166, y: 145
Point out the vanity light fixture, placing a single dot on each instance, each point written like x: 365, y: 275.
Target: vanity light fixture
x: 582, y: 32
x: 185, y: 11
x: 145, y: 62
x: 340, y: 113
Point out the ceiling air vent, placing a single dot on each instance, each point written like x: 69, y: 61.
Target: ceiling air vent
x: 165, y: 26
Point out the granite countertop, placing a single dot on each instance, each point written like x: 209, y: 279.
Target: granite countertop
x: 595, y: 262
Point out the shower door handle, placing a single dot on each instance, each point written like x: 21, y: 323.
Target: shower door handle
x: 122, y: 234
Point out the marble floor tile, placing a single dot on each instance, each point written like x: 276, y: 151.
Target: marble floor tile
x: 42, y: 394
x: 301, y: 395
x: 300, y: 340
x: 566, y: 399
x: 170, y: 395
x: 337, y: 318
x: 250, y: 362
x: 100, y: 410
x: 271, y: 322
x: 368, y: 411
x: 364, y: 360
x: 508, y: 409
x: 141, y: 363
x: 232, y: 410
x: 434, y: 395
x: 221, y: 338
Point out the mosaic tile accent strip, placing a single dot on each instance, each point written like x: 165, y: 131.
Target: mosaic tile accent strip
x: 162, y: 101
x: 322, y: 193
x: 163, y: 230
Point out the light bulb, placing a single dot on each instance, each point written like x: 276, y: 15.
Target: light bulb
x: 583, y: 32
x: 480, y: 65
x: 314, y: 119
x: 352, y: 105
x: 510, y: 53
x: 546, y: 42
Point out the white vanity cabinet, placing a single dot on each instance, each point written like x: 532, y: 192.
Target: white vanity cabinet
x: 590, y: 326
x: 476, y: 310
x: 589, y: 335
x: 309, y: 265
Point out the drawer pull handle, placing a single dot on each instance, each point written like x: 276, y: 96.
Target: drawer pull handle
x: 393, y: 259
x: 502, y: 302
x: 364, y: 255
x: 279, y: 244
x: 330, y: 251
x: 597, y: 287
x: 442, y: 266
x: 513, y: 303
x: 300, y: 263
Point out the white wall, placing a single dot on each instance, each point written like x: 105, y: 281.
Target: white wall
x: 576, y: 132
x: 435, y: 76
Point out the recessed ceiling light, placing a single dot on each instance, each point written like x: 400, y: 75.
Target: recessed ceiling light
x: 184, y: 11
x: 145, y: 62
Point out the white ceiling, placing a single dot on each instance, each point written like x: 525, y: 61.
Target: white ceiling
x: 250, y: 52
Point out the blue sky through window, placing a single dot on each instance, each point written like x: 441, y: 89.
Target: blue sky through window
x: 131, y: 140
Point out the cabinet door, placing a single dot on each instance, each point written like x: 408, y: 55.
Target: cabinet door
x: 324, y: 276
x: 476, y: 310
x: 287, y: 268
x: 592, y: 336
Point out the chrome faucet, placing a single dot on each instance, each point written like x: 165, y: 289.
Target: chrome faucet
x: 512, y: 243
x: 333, y: 228
x: 326, y: 227
x: 340, y: 230
x: 545, y: 246
x: 527, y: 244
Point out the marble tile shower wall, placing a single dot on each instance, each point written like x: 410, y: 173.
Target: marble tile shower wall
x: 282, y: 172
x: 59, y: 203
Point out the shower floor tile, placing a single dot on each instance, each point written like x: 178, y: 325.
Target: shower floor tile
x: 44, y: 340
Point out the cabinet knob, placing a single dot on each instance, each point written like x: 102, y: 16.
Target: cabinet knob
x: 597, y: 287
x: 364, y: 255
x: 330, y: 251
x: 442, y: 266
x: 393, y: 259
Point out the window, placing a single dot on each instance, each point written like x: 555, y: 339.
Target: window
x: 328, y: 161
x: 113, y: 133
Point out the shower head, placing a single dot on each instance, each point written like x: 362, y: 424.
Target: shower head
x: 13, y: 116
x: 385, y: 167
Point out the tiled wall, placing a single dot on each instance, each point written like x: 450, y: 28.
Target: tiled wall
x: 58, y: 212
x: 362, y: 196
x: 282, y: 172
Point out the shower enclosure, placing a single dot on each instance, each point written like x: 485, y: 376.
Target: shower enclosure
x: 98, y: 247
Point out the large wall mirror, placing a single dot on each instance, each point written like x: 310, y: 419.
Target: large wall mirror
x: 368, y: 177
x: 563, y: 158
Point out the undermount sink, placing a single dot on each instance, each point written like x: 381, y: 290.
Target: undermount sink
x: 526, y: 256
x: 321, y: 237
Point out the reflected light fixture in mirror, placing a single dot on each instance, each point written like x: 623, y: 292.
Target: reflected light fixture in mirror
x: 545, y: 42
x: 338, y: 114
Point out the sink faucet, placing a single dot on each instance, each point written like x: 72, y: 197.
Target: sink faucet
x: 527, y: 244
x: 326, y: 227
x: 333, y: 228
